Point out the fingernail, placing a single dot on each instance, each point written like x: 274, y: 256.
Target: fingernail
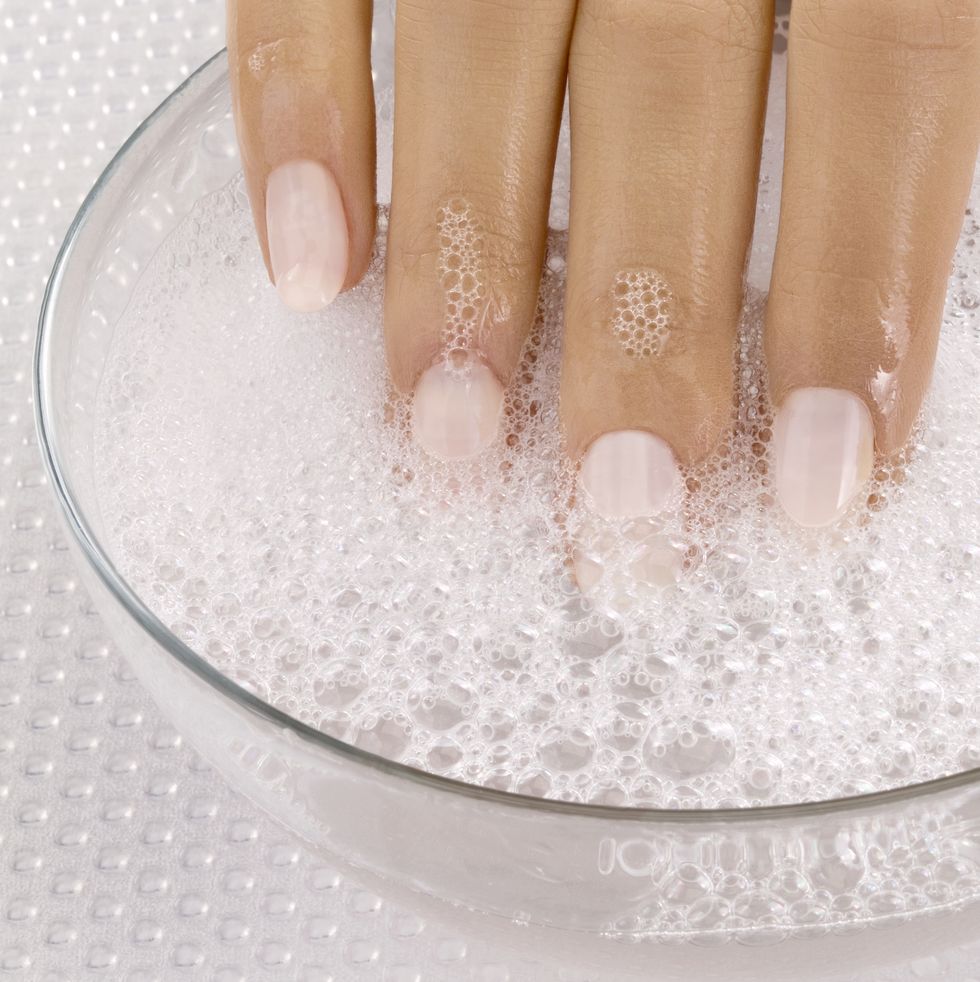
x: 629, y: 474
x: 457, y: 407
x: 823, y: 442
x: 307, y: 229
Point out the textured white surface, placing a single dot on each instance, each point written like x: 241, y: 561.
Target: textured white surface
x: 122, y: 856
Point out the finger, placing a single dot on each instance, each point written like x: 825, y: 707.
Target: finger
x: 304, y: 110
x: 883, y: 118
x: 667, y: 106
x: 480, y: 88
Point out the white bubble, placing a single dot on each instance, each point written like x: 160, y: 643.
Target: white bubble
x: 259, y: 489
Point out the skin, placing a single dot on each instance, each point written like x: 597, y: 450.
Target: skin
x: 676, y: 164
x: 667, y: 103
x: 492, y: 145
x: 299, y: 94
x: 882, y: 133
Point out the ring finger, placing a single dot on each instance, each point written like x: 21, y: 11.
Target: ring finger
x: 881, y: 138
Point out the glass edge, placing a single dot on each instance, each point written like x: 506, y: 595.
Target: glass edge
x: 133, y: 606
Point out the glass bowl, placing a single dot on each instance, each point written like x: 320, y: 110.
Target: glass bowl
x: 624, y: 889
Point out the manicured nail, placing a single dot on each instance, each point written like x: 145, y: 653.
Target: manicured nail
x: 629, y: 474
x: 458, y: 402
x: 307, y: 229
x: 823, y: 442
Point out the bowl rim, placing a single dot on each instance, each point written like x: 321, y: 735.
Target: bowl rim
x: 98, y: 559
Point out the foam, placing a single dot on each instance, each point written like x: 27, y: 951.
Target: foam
x: 259, y: 491
x: 641, y: 317
x: 462, y: 272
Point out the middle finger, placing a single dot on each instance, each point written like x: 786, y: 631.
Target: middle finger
x: 668, y: 105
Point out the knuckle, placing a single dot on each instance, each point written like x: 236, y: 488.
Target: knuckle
x: 685, y: 26
x: 463, y: 16
x: 951, y: 25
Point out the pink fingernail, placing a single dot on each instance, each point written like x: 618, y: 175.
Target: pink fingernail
x: 307, y: 229
x: 457, y: 407
x: 823, y: 446
x: 629, y: 474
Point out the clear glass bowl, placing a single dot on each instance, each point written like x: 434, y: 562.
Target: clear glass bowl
x: 587, y: 879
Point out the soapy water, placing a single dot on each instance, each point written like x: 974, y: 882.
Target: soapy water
x: 259, y: 489
x: 462, y: 275
x: 641, y: 312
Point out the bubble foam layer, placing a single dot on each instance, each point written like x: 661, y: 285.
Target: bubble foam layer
x: 259, y: 491
x: 461, y: 269
x: 641, y: 312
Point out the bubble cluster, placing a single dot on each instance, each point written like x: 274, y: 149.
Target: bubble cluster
x: 642, y: 304
x: 462, y: 274
x: 259, y: 490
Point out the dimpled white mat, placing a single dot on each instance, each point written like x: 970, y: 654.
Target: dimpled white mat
x: 122, y: 856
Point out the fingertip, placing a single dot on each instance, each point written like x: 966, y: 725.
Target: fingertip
x: 305, y: 118
x: 823, y: 449
x: 622, y: 563
x: 306, y: 224
x: 626, y: 477
x: 457, y: 406
x: 629, y: 474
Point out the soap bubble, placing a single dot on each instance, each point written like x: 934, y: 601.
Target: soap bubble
x: 260, y: 489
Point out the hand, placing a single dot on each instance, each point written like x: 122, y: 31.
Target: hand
x: 667, y: 105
